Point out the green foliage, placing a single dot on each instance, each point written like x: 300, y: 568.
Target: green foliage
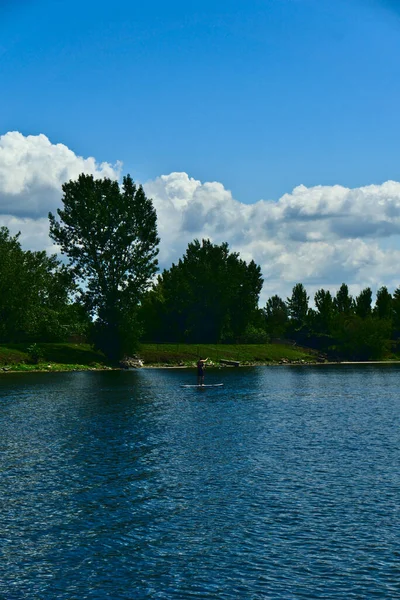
x: 325, y: 310
x: 210, y: 295
x: 253, y: 335
x: 35, y: 353
x: 363, y: 303
x: 396, y: 313
x: 298, y: 310
x: 361, y: 339
x: 110, y: 237
x: 34, y: 292
x: 383, y: 308
x: 343, y: 301
x: 276, y: 317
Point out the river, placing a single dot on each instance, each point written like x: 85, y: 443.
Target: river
x: 282, y: 484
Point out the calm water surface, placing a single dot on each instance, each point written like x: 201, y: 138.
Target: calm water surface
x: 285, y: 483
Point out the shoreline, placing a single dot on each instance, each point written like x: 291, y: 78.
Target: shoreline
x: 5, y: 369
x: 279, y: 364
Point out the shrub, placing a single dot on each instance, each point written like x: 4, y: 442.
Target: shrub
x: 35, y: 353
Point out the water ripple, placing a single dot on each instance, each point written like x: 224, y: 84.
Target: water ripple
x: 284, y: 484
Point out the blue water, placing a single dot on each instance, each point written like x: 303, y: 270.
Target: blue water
x: 283, y: 484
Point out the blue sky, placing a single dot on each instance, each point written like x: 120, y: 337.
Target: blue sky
x: 270, y: 124
x: 260, y: 95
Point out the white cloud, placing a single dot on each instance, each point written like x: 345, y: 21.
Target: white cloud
x: 320, y: 236
x: 32, y: 170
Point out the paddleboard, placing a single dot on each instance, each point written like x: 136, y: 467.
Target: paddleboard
x: 203, y: 386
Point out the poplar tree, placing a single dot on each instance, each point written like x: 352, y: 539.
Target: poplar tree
x: 363, y: 303
x: 298, y: 305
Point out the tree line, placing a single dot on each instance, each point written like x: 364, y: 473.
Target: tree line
x: 340, y: 325
x: 104, y: 287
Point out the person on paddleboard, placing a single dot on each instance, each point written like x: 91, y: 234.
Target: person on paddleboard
x: 201, y: 365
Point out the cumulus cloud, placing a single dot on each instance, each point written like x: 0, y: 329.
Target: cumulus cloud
x: 32, y: 170
x: 320, y: 236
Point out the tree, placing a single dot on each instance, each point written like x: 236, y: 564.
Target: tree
x: 49, y: 287
x: 396, y: 312
x: 276, y: 316
x: 383, y: 308
x: 34, y: 293
x: 110, y: 237
x: 319, y: 321
x: 343, y: 302
x: 325, y: 309
x: 298, y: 306
x: 11, y: 259
x: 363, y: 303
x: 210, y: 295
x: 361, y: 339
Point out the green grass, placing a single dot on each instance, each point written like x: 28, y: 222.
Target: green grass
x: 61, y: 356
x: 69, y: 356
x: 72, y: 357
x: 10, y: 355
x: 186, y: 354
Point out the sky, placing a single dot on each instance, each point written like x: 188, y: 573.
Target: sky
x: 272, y: 125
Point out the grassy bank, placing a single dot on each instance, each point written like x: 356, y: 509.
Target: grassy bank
x: 187, y: 354
x: 70, y: 357
x: 55, y: 357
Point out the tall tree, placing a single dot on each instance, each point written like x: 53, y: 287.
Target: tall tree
x: 383, y: 308
x: 343, y: 301
x: 298, y: 306
x: 319, y: 320
x: 210, y: 295
x: 325, y: 309
x: 396, y: 312
x: 110, y: 237
x: 363, y: 303
x: 276, y: 316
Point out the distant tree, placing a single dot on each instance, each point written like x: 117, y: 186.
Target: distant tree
x: 276, y: 316
x: 361, y: 339
x: 363, y: 303
x: 396, y: 313
x: 210, y: 295
x: 110, y: 237
x: 325, y: 309
x: 343, y: 301
x: 298, y: 307
x: 383, y: 308
x: 319, y: 321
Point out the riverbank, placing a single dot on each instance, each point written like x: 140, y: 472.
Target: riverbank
x: 81, y: 357
x: 64, y: 357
